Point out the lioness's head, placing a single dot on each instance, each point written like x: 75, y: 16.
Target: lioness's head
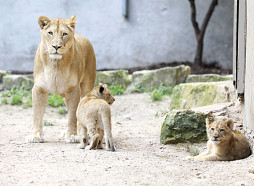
x: 57, y: 35
x: 219, y: 131
x: 105, y: 93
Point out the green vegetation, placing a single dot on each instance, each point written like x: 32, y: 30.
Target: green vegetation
x: 62, y: 111
x: 4, y: 101
x: 116, y: 90
x: 157, y: 94
x: 29, y: 102
x: 16, y: 99
x: 23, y: 97
x: 15, y: 96
x: 139, y: 89
x: 48, y: 123
x: 55, y: 101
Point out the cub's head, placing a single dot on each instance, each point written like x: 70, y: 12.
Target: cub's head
x: 219, y: 131
x: 57, y: 35
x: 105, y: 93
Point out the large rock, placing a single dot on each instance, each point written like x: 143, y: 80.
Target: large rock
x: 183, y: 126
x: 18, y: 81
x: 168, y: 76
x: 3, y: 73
x: 191, y: 95
x: 113, y: 77
x: 208, y: 78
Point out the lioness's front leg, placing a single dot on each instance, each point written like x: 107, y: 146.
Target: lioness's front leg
x: 72, y: 99
x: 39, y: 101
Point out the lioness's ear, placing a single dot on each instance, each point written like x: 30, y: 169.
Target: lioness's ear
x: 230, y: 123
x: 43, y: 21
x: 101, y: 89
x: 72, y: 21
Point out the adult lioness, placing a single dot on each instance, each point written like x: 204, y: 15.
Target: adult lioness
x: 65, y: 65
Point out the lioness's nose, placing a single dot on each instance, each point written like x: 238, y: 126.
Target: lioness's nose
x: 56, y: 47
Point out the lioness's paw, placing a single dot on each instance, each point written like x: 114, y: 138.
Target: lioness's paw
x: 81, y: 146
x: 88, y: 147
x: 72, y: 139
x: 34, y: 139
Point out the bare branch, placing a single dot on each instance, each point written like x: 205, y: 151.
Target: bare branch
x: 207, y: 17
x: 193, y: 18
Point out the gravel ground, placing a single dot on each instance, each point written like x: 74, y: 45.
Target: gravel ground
x: 139, y: 159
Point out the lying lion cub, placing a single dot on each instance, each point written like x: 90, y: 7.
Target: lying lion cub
x: 94, y: 117
x: 224, y: 143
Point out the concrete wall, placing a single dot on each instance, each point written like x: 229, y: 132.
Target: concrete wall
x: 156, y: 31
x: 249, y: 77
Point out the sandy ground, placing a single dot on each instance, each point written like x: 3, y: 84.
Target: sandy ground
x: 139, y: 159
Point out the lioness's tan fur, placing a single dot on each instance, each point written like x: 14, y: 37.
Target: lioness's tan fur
x: 94, y: 117
x: 224, y: 143
x: 65, y: 65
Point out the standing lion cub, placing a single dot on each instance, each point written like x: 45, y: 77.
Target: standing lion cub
x: 94, y: 117
x: 224, y: 143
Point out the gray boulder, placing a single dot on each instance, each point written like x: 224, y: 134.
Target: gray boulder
x: 183, y: 126
x: 18, y: 81
x: 208, y: 78
x: 3, y: 73
x: 168, y: 76
x: 113, y: 77
x: 191, y: 95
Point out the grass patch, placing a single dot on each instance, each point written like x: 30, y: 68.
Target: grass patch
x: 28, y: 103
x: 62, y: 111
x: 139, y: 89
x: 16, y: 100
x: 116, y: 90
x: 55, y: 101
x: 48, y: 123
x: 4, y: 101
x: 157, y: 94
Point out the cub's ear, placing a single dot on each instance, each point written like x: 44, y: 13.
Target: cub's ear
x: 43, y: 21
x: 101, y: 89
x: 72, y: 21
x: 230, y: 124
x: 208, y: 122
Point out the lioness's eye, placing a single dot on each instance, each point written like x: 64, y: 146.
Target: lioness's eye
x: 50, y: 33
x: 212, y: 129
x: 64, y: 34
x: 222, y: 130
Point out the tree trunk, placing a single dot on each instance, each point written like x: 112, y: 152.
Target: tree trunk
x: 200, y: 33
x: 199, y: 52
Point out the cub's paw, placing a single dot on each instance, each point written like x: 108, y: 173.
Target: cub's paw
x: 34, y: 139
x: 72, y: 139
x: 81, y: 146
x: 111, y: 149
